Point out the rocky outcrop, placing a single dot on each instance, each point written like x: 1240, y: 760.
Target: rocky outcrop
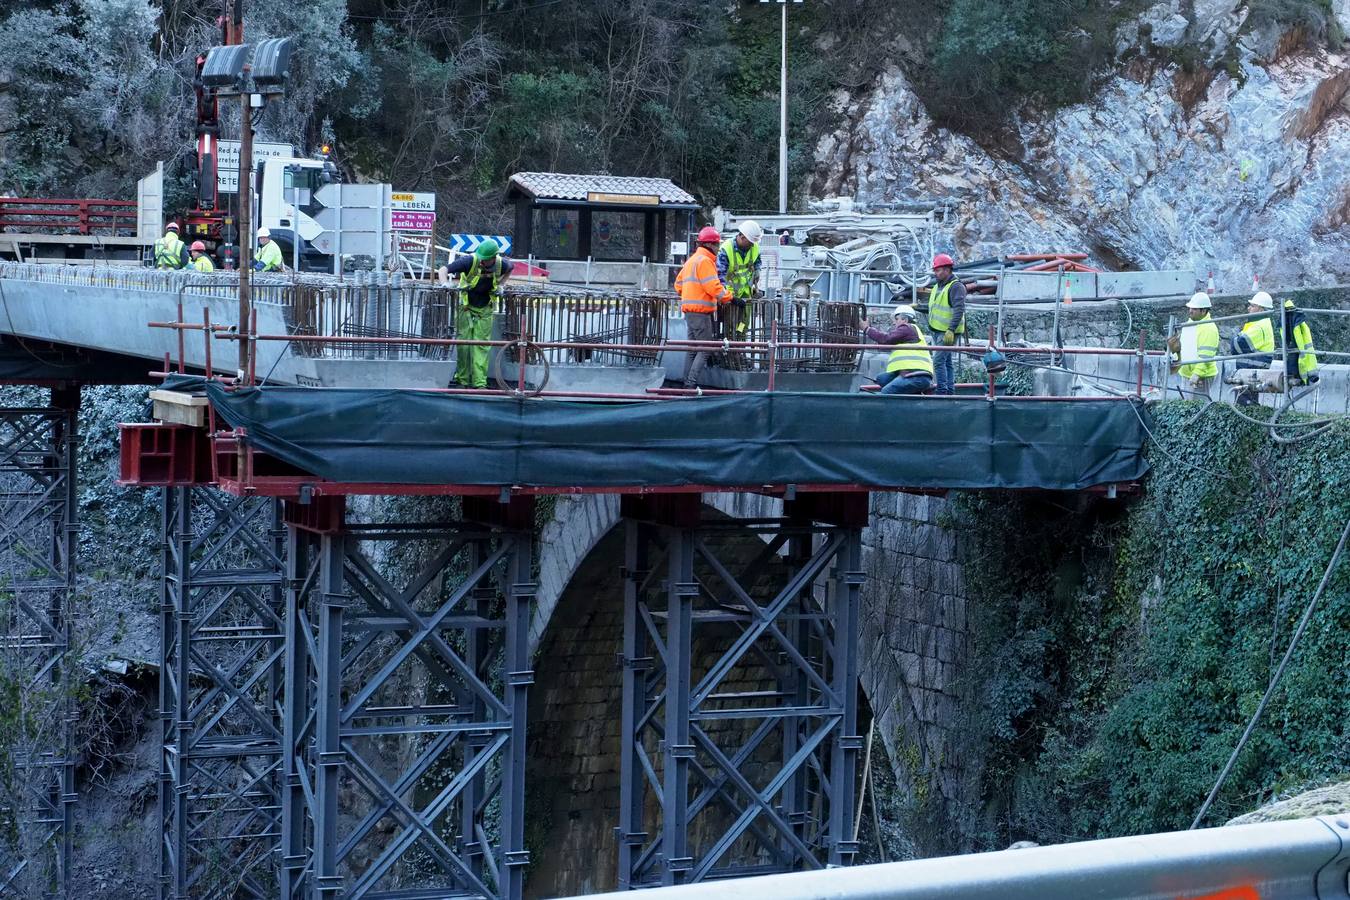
x: 1239, y: 170
x: 1332, y: 800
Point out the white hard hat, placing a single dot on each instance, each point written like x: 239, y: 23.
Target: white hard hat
x: 1263, y: 300
x: 1199, y: 300
x: 750, y: 228
x: 264, y: 232
x: 904, y: 309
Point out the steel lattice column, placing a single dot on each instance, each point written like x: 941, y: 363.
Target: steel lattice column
x: 38, y: 539
x: 405, y: 712
x: 221, y: 667
x: 720, y: 779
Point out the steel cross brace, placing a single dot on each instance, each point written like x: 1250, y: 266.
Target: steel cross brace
x: 405, y: 712
x: 717, y: 778
x: 220, y: 683
x: 38, y: 539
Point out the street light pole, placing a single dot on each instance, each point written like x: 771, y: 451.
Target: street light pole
x: 782, y: 123
x: 245, y: 231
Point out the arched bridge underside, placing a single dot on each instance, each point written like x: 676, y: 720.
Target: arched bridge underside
x: 381, y: 640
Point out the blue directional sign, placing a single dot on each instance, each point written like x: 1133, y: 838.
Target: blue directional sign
x: 465, y: 243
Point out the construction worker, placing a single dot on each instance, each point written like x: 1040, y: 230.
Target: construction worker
x: 1298, y: 340
x: 909, y: 370
x: 169, y: 249
x: 702, y: 293
x: 946, y: 317
x: 268, y: 258
x: 200, y: 260
x: 473, y: 321
x: 1257, y: 335
x: 738, y: 269
x: 1199, y: 374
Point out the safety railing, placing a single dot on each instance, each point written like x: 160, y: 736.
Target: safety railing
x: 107, y: 217
x: 1307, y: 859
x: 765, y: 354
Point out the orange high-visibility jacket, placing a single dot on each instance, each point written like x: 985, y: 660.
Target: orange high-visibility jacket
x: 699, y: 287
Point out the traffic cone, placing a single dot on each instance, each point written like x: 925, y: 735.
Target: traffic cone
x: 1209, y: 285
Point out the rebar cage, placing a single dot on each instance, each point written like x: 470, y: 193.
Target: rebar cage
x: 587, y: 318
x: 797, y: 321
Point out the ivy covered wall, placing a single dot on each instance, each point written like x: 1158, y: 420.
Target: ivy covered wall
x: 1118, y: 648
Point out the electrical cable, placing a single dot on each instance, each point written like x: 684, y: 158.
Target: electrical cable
x: 1275, y: 679
x: 1172, y: 456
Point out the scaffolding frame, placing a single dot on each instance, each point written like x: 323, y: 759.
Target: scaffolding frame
x: 404, y: 707
x: 38, y: 542
x: 223, y: 624
x: 720, y: 782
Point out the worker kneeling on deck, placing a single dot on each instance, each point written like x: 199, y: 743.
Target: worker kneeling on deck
x: 473, y: 322
x: 269, y: 253
x: 200, y: 260
x: 702, y: 294
x: 909, y: 370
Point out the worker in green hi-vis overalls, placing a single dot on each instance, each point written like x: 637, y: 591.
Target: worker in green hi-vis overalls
x: 480, y: 279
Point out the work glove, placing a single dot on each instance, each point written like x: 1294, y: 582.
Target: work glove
x: 1195, y: 381
x: 739, y: 303
x: 1174, y: 345
x: 949, y: 338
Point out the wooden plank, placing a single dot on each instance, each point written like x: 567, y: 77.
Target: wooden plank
x: 179, y: 398
x: 179, y: 409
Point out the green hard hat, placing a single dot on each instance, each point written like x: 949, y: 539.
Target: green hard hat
x: 486, y: 250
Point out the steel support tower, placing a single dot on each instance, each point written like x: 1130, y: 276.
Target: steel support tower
x: 723, y: 779
x: 38, y: 540
x: 223, y: 623
x: 404, y: 704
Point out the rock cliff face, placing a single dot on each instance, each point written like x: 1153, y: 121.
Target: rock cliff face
x: 1238, y: 164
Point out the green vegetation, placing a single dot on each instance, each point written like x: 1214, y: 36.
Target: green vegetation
x: 989, y: 57
x: 1119, y: 651
x: 1316, y: 17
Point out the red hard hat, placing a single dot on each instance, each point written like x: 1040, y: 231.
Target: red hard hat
x: 198, y: 245
x: 709, y: 235
x: 941, y: 260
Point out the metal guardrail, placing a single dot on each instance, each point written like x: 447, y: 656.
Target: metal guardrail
x: 1306, y: 859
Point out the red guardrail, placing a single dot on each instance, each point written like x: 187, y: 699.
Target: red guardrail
x: 107, y: 217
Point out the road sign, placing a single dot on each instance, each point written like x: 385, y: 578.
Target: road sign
x: 465, y: 243
x: 227, y: 161
x: 412, y: 211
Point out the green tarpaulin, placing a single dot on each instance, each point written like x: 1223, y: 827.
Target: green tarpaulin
x: 414, y: 437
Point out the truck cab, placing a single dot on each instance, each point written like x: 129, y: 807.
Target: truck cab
x: 285, y: 204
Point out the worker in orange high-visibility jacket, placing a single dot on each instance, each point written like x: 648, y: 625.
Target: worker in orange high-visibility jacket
x: 702, y: 295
